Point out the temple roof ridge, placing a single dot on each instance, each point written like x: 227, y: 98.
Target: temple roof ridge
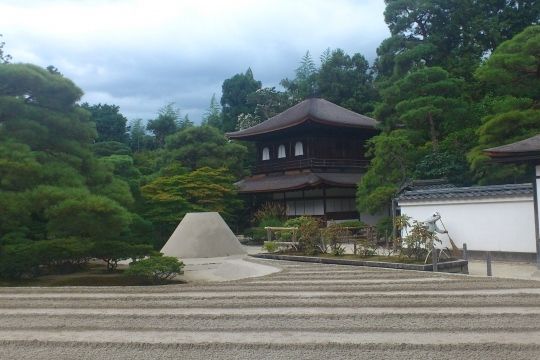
x: 313, y: 109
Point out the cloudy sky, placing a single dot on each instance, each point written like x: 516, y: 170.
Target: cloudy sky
x: 141, y: 55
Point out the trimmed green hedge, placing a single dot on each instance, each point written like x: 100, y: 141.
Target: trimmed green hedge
x: 157, y: 269
x: 33, y: 258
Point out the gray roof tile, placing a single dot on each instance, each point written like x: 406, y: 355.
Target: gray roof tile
x: 317, y: 110
x: 296, y: 181
x: 531, y: 144
x: 472, y: 192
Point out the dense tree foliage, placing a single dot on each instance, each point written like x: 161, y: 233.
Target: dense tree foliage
x: 212, y: 116
x: 347, y: 81
x: 436, y: 93
x: 110, y: 123
x: 139, y: 139
x: 511, y: 77
x: 201, y: 146
x: 78, y: 182
x: 452, y: 34
x: 75, y: 180
x: 157, y: 269
x: 56, y: 184
x: 393, y: 159
x: 234, y: 98
x: 342, y: 79
x: 304, y: 85
x: 171, y: 196
x: 167, y: 122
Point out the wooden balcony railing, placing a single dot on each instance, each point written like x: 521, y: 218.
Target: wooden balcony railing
x: 282, y: 165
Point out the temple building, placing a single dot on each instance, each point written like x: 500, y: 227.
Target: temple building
x: 309, y: 158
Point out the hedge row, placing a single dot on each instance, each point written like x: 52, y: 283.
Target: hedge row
x: 34, y: 258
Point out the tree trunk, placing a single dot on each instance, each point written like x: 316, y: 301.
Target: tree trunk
x: 433, y: 132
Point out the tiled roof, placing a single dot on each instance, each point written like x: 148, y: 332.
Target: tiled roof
x: 426, y: 185
x: 527, y: 150
x: 472, y: 192
x: 531, y: 144
x: 295, y: 181
x: 317, y: 110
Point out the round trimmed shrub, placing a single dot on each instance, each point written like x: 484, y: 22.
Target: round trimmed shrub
x: 157, y: 269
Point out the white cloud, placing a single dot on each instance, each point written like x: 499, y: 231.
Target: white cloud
x: 141, y: 53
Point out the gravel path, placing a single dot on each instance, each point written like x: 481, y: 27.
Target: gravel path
x: 306, y: 311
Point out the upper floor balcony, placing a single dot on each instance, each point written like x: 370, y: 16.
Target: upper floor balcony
x: 269, y: 166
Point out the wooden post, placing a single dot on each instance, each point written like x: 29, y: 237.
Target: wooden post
x: 536, y: 201
x: 434, y: 257
x: 268, y: 234
x: 465, y: 253
x: 324, y: 199
x: 488, y: 263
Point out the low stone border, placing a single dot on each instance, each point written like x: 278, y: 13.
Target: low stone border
x: 455, y: 266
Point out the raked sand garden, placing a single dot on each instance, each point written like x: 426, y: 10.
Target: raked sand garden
x: 304, y: 311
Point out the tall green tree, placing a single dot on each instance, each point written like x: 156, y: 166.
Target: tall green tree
x: 428, y: 101
x: 53, y: 186
x: 170, y: 197
x: 426, y: 114
x: 165, y: 124
x: 304, y: 84
x: 347, y: 81
x: 393, y: 156
x: 342, y: 79
x: 139, y: 139
x: 91, y: 217
x: 205, y: 146
x: 212, y: 116
x: 110, y: 123
x: 185, y: 123
x: 269, y: 102
x: 511, y: 76
x: 452, y: 34
x: 234, y: 98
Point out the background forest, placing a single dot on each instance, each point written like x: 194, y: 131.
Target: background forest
x: 454, y: 77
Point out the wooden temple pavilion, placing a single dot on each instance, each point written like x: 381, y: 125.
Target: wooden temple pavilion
x: 524, y: 151
x: 310, y: 158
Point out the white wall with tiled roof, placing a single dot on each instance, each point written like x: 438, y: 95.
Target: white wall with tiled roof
x: 485, y: 224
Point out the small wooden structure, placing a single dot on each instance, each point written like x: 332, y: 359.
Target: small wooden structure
x: 524, y: 151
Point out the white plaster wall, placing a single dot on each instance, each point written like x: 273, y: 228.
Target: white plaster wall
x: 485, y: 225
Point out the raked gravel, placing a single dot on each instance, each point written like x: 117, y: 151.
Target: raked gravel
x: 306, y: 311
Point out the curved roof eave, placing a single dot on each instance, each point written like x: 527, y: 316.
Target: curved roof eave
x: 300, y: 122
x: 296, y: 181
x: 317, y: 110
